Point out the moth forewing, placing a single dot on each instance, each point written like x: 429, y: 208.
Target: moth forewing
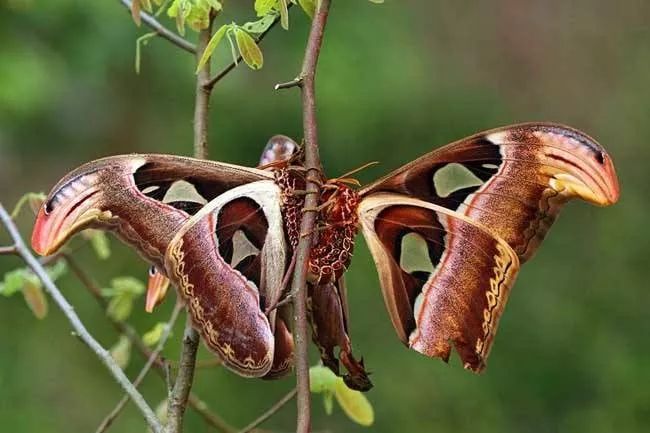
x: 224, y: 304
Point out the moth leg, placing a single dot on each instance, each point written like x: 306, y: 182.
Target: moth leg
x: 278, y: 302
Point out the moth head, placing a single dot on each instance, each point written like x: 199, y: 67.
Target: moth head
x: 586, y: 171
x: 75, y: 203
x: 279, y: 148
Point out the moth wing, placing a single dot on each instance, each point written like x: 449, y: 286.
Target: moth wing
x: 445, y: 278
x: 226, y: 260
x: 513, y: 180
x: 144, y: 199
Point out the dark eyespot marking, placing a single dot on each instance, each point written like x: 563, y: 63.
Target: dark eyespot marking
x: 69, y: 189
x: 600, y: 157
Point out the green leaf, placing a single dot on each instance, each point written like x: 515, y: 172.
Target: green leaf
x: 35, y: 297
x: 214, y: 4
x: 249, y: 50
x: 322, y: 379
x: 263, y: 7
x: 120, y: 307
x: 152, y: 337
x: 161, y: 413
x: 309, y: 6
x: 354, y: 404
x: 146, y: 5
x: 56, y: 270
x: 13, y: 282
x: 284, y: 14
x: 212, y: 45
x: 121, y: 351
x: 99, y: 242
x: 328, y: 402
x: 128, y: 285
x: 122, y: 292
x: 180, y: 9
x: 376, y: 1
x: 261, y: 25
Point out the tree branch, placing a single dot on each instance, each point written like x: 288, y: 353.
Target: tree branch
x: 272, y: 411
x: 187, y: 363
x: 313, y: 166
x: 162, y: 31
x: 194, y: 401
x: 106, y: 423
x: 76, y: 323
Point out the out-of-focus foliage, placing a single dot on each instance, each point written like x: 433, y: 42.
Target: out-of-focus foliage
x: 395, y: 81
x: 354, y: 403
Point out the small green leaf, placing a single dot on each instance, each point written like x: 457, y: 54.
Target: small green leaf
x: 328, y: 402
x: 180, y: 9
x: 128, y: 285
x: 284, y: 14
x: 212, y: 45
x: 263, y: 7
x: 152, y: 337
x: 99, y: 242
x: 309, y: 6
x: 146, y: 5
x: 120, y: 307
x: 249, y: 50
x: 35, y: 297
x: 121, y: 351
x: 376, y: 1
x: 122, y: 292
x: 354, y: 404
x: 214, y: 4
x: 322, y: 379
x: 56, y: 270
x: 161, y: 413
x: 13, y: 282
x: 261, y: 25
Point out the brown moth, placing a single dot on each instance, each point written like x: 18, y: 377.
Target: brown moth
x: 447, y: 232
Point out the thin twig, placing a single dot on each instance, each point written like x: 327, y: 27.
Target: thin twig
x: 106, y: 423
x: 163, y: 31
x: 77, y: 325
x: 272, y: 411
x: 307, y: 224
x: 161, y: 367
x: 209, y: 84
x: 7, y: 251
x: 211, y: 418
x: 181, y: 391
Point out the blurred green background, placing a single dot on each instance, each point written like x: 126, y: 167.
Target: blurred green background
x: 395, y: 81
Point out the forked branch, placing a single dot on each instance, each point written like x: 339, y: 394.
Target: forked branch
x: 80, y: 330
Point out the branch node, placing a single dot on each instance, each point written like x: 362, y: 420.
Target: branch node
x: 296, y: 82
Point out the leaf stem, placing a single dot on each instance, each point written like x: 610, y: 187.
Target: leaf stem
x: 163, y: 31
